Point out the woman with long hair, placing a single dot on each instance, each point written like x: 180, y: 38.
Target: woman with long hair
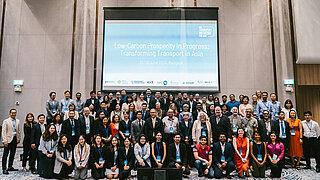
x: 112, y: 162
x: 295, y: 143
x: 107, y: 102
x: 125, y: 106
x: 125, y: 126
x: 126, y: 158
x: 98, y: 158
x: 48, y: 143
x: 98, y: 121
x: 81, y: 155
x: 114, y: 125
x: 241, y: 156
x: 258, y: 152
x: 201, y: 127
x: 63, y: 163
x: 142, y: 152
x: 158, y: 152
x: 132, y: 112
x: 29, y: 122
x: 288, y: 106
x: 105, y: 131
x: 275, y: 150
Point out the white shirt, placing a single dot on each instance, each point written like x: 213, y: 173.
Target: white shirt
x: 87, y: 124
x: 223, y: 146
x: 268, y: 126
x: 186, y: 122
x: 284, y: 129
x: 177, y: 149
x: 310, y: 129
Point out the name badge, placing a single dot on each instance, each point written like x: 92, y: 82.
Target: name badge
x: 246, y: 130
x: 274, y: 157
x: 259, y: 157
x: 127, y: 133
x: 54, y: 110
x: 125, y: 162
x: 159, y: 158
x: 204, y: 163
x: 100, y: 160
x: 171, y: 129
x: 79, y: 110
x: 223, y: 158
x: 117, y: 135
x: 255, y: 112
x: 203, y: 133
x: 178, y: 159
x: 293, y: 132
x: 187, y: 137
x: 87, y: 128
x: 73, y: 133
x: 276, y: 113
x: 284, y: 135
x: 235, y: 129
x: 241, y: 151
x: 65, y: 109
x: 51, y: 150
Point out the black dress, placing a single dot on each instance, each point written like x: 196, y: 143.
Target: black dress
x: 158, y: 152
x: 26, y: 143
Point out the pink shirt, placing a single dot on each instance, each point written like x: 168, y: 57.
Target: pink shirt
x: 279, y: 147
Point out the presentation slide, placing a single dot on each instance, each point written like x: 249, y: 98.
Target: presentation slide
x: 161, y: 55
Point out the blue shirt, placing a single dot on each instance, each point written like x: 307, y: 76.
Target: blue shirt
x: 235, y: 104
x: 276, y: 108
x: 264, y: 105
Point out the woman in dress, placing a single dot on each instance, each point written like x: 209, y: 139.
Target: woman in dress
x: 158, y: 152
x: 112, y: 159
x: 29, y: 122
x: 295, y: 143
x: 275, y: 150
x: 126, y: 159
x: 241, y: 156
x: 258, y: 152
x: 98, y: 158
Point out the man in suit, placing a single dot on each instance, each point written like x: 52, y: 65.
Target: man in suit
x: 222, y: 157
x: 266, y: 125
x: 144, y: 111
x: 196, y: 111
x: 151, y: 102
x: 71, y: 128
x: 137, y: 127
x: 10, y: 139
x: 192, y: 104
x: 220, y: 124
x: 177, y: 155
x: 152, y: 125
x: 116, y: 101
x: 185, y: 129
x: 92, y: 101
x: 52, y: 107
x: 36, y: 132
x: 86, y: 125
x: 179, y: 102
x: 158, y: 99
x: 283, y: 130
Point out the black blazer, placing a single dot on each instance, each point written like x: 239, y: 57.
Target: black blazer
x: 94, y: 155
x: 146, y: 115
x: 113, y: 104
x: 217, y: 153
x: 110, y: 158
x: 67, y: 128
x: 179, y: 103
x: 172, y: 153
x: 263, y: 129
x: 123, y: 128
x: 287, y: 128
x: 152, y: 102
x: 133, y: 117
x: 82, y: 121
x: 27, y: 135
x: 130, y: 157
x: 96, y: 103
x: 194, y: 104
x: 103, y: 133
x: 148, y: 129
x: 36, y: 134
x: 185, y: 131
x: 222, y: 127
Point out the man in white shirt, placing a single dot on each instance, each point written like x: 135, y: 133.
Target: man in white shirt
x: 171, y: 125
x: 311, y: 133
x: 10, y: 139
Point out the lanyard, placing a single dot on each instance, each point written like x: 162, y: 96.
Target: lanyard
x: 106, y: 129
x: 171, y: 124
x: 203, y: 152
x: 66, y: 102
x: 268, y: 125
x: 241, y: 143
x: 178, y: 149
x: 78, y: 104
x: 291, y: 124
x: 81, y: 149
x: 126, y: 125
x: 204, y: 126
x: 125, y: 154
x: 99, y: 152
x: 310, y: 126
x: 142, y: 149
x: 259, y: 148
x: 158, y: 148
x: 14, y: 124
x: 65, y: 154
x: 274, y: 148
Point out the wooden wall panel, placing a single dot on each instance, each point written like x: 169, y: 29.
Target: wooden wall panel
x: 308, y: 74
x: 308, y: 98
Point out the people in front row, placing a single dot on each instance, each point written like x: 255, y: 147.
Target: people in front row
x: 203, y: 158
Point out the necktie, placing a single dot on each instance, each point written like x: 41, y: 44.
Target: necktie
x: 140, y: 125
x: 218, y: 119
x: 154, y: 125
x: 282, y: 129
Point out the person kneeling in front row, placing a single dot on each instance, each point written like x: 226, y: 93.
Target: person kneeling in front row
x: 177, y: 155
x: 222, y: 157
x: 203, y: 158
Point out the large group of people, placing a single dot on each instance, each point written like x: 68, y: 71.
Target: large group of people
x: 113, y: 136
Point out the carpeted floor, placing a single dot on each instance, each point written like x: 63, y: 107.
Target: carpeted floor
x: 286, y: 173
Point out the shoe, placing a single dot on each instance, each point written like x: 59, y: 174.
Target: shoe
x: 5, y: 172
x: 229, y: 176
x: 34, y: 172
x: 307, y: 167
x: 12, y: 169
x: 200, y: 175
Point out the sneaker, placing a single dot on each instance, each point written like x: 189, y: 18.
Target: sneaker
x: 5, y: 172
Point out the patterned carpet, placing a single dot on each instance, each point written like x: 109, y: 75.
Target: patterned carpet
x: 286, y: 173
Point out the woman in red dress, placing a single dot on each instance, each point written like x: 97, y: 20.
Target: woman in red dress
x: 241, y: 156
